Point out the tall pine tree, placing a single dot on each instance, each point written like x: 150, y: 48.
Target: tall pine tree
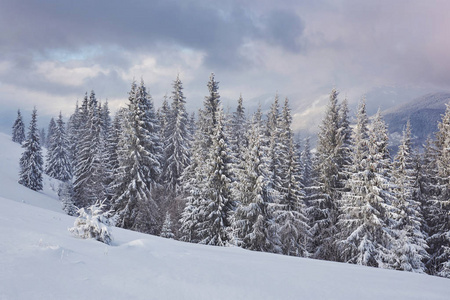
x: 253, y: 223
x: 18, y: 129
x: 324, y: 206
x: 365, y: 237
x: 289, y: 210
x: 31, y: 162
x: 410, y: 245
x: 218, y: 204
x: 88, y: 187
x: 58, y: 162
x: 439, y: 223
x: 132, y: 200
x: 177, y: 148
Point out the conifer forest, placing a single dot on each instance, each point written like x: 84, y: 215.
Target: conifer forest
x: 233, y: 178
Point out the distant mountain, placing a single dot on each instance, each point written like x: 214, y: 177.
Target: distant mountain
x: 424, y: 112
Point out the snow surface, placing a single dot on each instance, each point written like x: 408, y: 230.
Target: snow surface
x: 40, y: 259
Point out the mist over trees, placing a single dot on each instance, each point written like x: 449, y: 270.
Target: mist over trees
x: 243, y: 179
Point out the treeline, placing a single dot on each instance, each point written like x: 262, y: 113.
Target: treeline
x: 230, y: 179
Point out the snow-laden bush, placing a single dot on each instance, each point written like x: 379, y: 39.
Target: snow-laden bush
x: 93, y: 222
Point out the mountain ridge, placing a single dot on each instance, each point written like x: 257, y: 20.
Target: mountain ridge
x: 424, y: 113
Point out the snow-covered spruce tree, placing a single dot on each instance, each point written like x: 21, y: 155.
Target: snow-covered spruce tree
x: 306, y: 165
x: 253, y: 225
x: 87, y: 173
x: 218, y: 204
x: 208, y: 114
x: 153, y: 141
x: 110, y: 159
x: 289, y: 210
x: 429, y: 188
x: 58, y: 162
x: 31, y: 162
x: 365, y: 237
x: 18, y: 129
x: 105, y: 120
x: 344, y: 149
x: 329, y: 166
x: 43, y: 137
x: 276, y: 148
x: 238, y: 129
x: 73, y: 128
x: 93, y: 223
x: 107, y: 149
x: 439, y: 222
x: 193, y: 179
x: 65, y: 194
x: 192, y: 127
x: 410, y: 245
x: 50, y: 131
x: 176, y: 151
x: 163, y: 115
x: 166, y: 231
x: 194, y: 176
x: 132, y: 200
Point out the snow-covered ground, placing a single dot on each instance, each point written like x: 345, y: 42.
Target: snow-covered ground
x: 39, y: 259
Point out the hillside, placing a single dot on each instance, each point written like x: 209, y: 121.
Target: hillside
x: 41, y: 260
x: 424, y: 112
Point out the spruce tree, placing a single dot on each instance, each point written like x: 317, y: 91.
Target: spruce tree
x: 163, y: 114
x: 306, y: 166
x: 208, y: 114
x: 194, y: 176
x: 31, y: 162
x: 276, y: 147
x: 193, y: 179
x: 50, y: 131
x: 289, y: 210
x: 65, y: 193
x: 18, y: 129
x: 238, y: 129
x: 58, y: 162
x: 343, y: 155
x: 132, y: 200
x: 105, y: 120
x: 152, y: 142
x: 73, y: 129
x: 253, y: 223
x: 218, y: 203
x: 42, y: 137
x: 177, y: 152
x: 430, y: 190
x: 439, y: 240
x: 365, y: 237
x: 410, y: 245
x: 166, y: 231
x: 324, y: 207
x: 88, y: 186
x: 111, y: 160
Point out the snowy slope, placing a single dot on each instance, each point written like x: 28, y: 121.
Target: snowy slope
x: 39, y: 259
x: 9, y: 175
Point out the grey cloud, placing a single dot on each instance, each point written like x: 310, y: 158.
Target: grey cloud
x: 285, y: 28
x: 35, y: 25
x: 108, y: 85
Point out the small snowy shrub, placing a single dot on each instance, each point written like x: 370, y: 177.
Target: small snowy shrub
x: 94, y: 223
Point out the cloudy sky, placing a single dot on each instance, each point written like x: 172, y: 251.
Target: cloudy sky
x: 53, y: 51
